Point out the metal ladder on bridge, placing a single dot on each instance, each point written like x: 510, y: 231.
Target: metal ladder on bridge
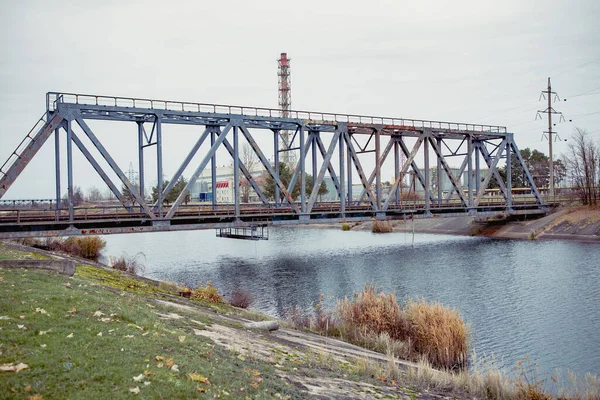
x: 26, y: 150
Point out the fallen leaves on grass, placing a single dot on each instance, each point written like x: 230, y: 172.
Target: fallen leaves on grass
x: 139, y: 378
x: 148, y: 372
x: 4, y: 317
x: 134, y: 390
x: 72, y: 310
x: 159, y: 358
x: 34, y: 397
x: 70, y: 335
x: 12, y: 367
x: 98, y: 314
x: 170, y: 362
x: 41, y: 311
x: 175, y: 368
x: 181, y: 339
x: 198, y: 378
x: 23, y: 327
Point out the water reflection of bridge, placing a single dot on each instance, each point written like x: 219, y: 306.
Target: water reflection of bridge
x: 344, y: 147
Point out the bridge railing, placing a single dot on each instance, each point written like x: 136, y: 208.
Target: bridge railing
x: 54, y: 98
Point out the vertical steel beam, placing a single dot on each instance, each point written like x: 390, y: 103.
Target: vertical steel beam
x: 313, y: 135
x: 427, y: 174
x: 57, y: 166
x: 491, y: 171
x: 396, y: 193
x: 477, y: 169
x: 236, y: 172
x: 213, y: 169
x: 141, y: 157
x: 341, y: 189
x: 276, y: 163
x: 378, y: 167
x: 439, y: 171
x: 470, y: 170
x: 302, y: 172
x: 509, y: 175
x: 159, y: 166
x: 349, y: 157
x: 70, y: 170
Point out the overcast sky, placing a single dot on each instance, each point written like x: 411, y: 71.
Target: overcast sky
x: 465, y: 61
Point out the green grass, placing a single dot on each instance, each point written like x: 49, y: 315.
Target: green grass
x: 8, y: 253
x: 89, y: 365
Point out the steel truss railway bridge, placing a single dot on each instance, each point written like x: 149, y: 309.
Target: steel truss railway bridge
x: 337, y: 145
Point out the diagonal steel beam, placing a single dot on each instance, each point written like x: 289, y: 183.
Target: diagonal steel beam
x: 532, y: 185
x: 488, y: 160
x: 198, y: 171
x: 184, y: 165
x: 360, y: 170
x: 269, y: 168
x: 296, y: 173
x: 113, y: 188
x: 409, y: 160
x: 330, y: 168
x: 455, y: 183
x: 374, y: 173
x: 324, y: 166
x: 114, y: 167
x: 461, y: 171
x: 246, y: 173
x: 28, y: 153
x: 491, y: 171
x: 415, y: 167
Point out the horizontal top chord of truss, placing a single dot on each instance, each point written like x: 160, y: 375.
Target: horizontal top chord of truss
x: 355, y: 122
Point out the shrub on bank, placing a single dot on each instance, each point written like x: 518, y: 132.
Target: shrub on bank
x: 241, y: 299
x: 127, y: 263
x: 82, y: 246
x: 417, y: 330
x: 207, y: 292
x: 381, y: 227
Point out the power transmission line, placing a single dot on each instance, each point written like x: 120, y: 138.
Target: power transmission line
x: 547, y: 94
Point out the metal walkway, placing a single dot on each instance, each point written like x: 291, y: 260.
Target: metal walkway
x: 337, y: 145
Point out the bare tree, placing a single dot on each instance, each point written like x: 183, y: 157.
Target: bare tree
x: 250, y: 160
x: 583, y: 166
x: 94, y: 194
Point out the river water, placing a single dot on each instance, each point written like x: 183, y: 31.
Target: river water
x: 522, y: 298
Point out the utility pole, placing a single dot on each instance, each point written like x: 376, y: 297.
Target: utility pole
x: 546, y: 94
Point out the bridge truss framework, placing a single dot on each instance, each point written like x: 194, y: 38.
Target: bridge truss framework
x: 326, y: 144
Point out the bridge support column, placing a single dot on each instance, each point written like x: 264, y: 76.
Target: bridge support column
x: 378, y: 168
x: 159, y: 167
x: 276, y: 163
x: 349, y: 158
x: 397, y: 193
x: 302, y: 172
x: 141, y: 157
x: 342, y: 193
x: 213, y: 168
x: 70, y: 169
x: 427, y: 176
x: 236, y: 173
x: 470, y: 171
x: 57, y: 168
x: 509, y: 174
x: 439, y: 172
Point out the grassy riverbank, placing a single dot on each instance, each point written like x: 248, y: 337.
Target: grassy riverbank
x: 107, y: 334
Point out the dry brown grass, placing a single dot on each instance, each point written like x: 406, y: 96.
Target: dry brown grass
x: 84, y: 246
x: 419, y: 329
x: 438, y: 333
x: 381, y: 227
